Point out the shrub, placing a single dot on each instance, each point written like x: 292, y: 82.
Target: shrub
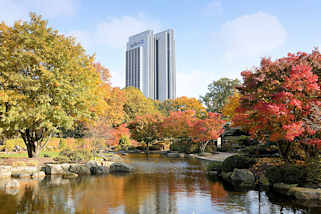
x: 289, y: 174
x: 179, y: 147
x: 313, y: 173
x: 238, y: 162
x: 62, y: 144
x: 9, y: 145
x: 262, y: 149
x: 189, y: 148
x: 244, y: 140
x: 131, y: 148
x: 78, y: 155
x: 124, y: 142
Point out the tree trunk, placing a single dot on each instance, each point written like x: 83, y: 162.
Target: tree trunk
x: 34, y: 141
x: 33, y: 151
x: 284, y: 149
x: 203, y: 146
x: 147, y: 149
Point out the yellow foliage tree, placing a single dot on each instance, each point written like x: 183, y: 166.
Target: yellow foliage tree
x: 136, y: 104
x: 47, y: 82
x: 232, y: 103
x: 183, y: 104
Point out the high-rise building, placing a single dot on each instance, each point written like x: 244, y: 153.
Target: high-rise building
x: 150, y: 64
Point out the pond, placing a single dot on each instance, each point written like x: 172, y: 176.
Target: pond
x: 160, y: 185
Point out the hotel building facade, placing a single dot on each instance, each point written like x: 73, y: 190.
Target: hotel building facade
x: 150, y: 64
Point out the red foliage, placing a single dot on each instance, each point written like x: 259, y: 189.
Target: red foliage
x: 281, y: 99
x: 207, y: 129
x: 178, y: 124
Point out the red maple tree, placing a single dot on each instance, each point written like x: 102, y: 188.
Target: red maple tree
x: 207, y: 129
x: 280, y: 101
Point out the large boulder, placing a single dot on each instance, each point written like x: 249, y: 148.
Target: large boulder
x: 92, y: 163
x: 56, y: 169
x: 5, y: 171
x: 80, y: 169
x: 242, y: 178
x: 121, y: 167
x: 38, y: 175
x: 226, y: 176
x: 305, y: 193
x: 106, y: 163
x: 112, y: 158
x: 300, y: 193
x: 175, y: 155
x: 100, y: 170
x: 23, y: 171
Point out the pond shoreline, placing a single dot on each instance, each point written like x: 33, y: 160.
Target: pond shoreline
x: 72, y: 170
x: 303, y: 194
x: 186, y: 172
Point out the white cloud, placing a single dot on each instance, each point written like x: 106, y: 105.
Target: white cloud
x: 83, y: 37
x: 251, y: 36
x: 118, y: 78
x: 193, y: 84
x: 52, y: 9
x: 12, y: 10
x: 213, y: 8
x: 115, y: 32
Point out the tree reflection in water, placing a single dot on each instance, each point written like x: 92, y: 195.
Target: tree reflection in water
x: 159, y: 186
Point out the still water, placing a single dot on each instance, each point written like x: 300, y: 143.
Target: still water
x: 160, y: 185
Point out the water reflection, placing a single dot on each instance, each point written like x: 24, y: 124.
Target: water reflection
x: 159, y: 186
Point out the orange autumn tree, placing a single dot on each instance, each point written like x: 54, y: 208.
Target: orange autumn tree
x: 146, y: 128
x: 115, y: 114
x: 178, y: 124
x: 207, y: 129
x: 281, y: 100
x: 186, y: 125
x: 97, y: 128
x: 110, y: 111
x: 183, y: 104
x: 118, y: 133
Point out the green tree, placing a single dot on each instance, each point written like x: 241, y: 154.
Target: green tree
x: 218, y: 91
x: 46, y: 82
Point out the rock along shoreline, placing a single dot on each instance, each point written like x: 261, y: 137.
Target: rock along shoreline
x: 11, y: 175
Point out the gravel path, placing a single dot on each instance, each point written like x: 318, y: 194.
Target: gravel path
x: 221, y: 156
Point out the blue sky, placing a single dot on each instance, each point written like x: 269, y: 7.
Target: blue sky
x: 214, y: 38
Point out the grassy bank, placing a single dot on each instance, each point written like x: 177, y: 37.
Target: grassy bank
x: 51, y: 154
